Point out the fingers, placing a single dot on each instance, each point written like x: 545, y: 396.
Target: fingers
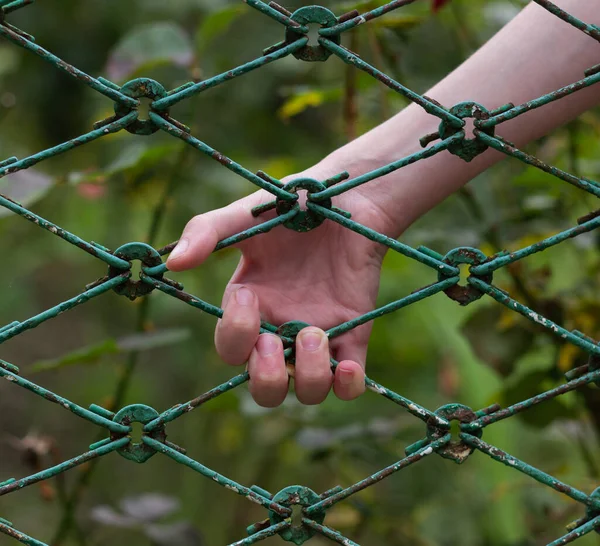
x: 349, y: 380
x: 203, y: 232
x: 268, y: 376
x: 238, y: 330
x: 313, y: 376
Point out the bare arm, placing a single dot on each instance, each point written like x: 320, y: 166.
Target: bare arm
x: 533, y: 55
x: 336, y: 271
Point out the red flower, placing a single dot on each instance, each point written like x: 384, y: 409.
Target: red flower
x: 90, y: 191
x: 438, y: 5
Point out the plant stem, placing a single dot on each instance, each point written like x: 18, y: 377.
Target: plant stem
x: 71, y: 502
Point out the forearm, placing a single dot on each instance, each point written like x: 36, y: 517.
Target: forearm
x: 534, y: 54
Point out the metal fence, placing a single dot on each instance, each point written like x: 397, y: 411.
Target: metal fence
x: 451, y: 137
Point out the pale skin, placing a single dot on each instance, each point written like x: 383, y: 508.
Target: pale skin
x: 331, y: 274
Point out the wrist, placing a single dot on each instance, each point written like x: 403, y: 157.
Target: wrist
x: 389, y: 195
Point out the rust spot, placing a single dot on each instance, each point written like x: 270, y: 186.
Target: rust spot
x: 52, y: 398
x: 588, y: 217
x: 469, y: 254
x: 347, y: 16
x: 561, y: 487
x: 224, y: 160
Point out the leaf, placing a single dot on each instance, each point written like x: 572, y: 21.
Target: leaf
x: 149, y: 507
x: 304, y: 99
x: 26, y: 187
x: 137, y: 342
x: 534, y: 180
x: 153, y: 340
x: 495, y: 341
x: 567, y: 357
x: 438, y: 5
x: 150, y: 44
x: 217, y: 22
x: 136, y: 511
x: 314, y: 438
x: 107, y: 516
x: 298, y: 103
x: 136, y: 157
x: 140, y: 156
x: 86, y: 355
x: 531, y: 385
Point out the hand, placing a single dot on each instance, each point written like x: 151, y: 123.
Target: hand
x: 324, y: 278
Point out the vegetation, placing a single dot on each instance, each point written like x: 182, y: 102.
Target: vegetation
x: 280, y: 119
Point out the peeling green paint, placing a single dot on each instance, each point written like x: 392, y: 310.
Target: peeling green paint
x: 320, y: 208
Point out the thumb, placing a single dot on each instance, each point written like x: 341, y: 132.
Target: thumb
x: 203, y: 232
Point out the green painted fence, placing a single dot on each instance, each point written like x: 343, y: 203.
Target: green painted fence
x: 438, y: 439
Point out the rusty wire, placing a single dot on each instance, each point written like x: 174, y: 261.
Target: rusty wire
x: 452, y: 138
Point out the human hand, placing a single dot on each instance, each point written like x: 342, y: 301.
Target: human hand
x: 324, y: 277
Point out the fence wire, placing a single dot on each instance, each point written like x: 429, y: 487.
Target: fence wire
x: 450, y: 137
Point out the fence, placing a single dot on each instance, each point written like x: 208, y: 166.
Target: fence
x: 452, y: 138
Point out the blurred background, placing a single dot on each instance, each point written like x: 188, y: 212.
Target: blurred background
x: 282, y: 119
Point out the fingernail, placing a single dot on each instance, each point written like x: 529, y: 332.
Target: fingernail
x: 244, y: 296
x: 346, y: 376
x: 180, y: 249
x: 267, y: 344
x: 311, y: 341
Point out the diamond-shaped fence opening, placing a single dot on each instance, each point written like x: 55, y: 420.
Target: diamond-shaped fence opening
x: 116, y: 273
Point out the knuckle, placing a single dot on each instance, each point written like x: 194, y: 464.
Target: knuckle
x: 241, y: 322
x: 314, y: 377
x: 234, y: 358
x: 314, y: 370
x: 195, y: 222
x: 268, y: 380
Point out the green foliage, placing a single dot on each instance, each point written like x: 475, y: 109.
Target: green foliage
x: 146, y: 46
x: 216, y: 23
x: 284, y: 120
x: 146, y: 341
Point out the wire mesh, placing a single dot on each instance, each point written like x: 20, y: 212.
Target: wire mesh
x: 451, y: 137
